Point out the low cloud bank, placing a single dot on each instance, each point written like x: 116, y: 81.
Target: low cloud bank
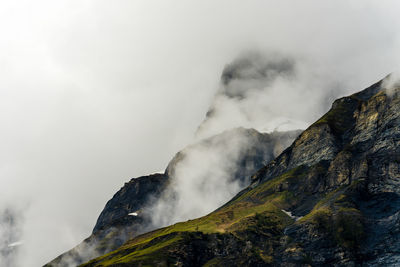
x: 269, y: 91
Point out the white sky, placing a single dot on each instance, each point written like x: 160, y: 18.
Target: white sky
x: 95, y: 92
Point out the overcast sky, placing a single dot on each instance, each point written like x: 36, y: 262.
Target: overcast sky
x: 93, y: 93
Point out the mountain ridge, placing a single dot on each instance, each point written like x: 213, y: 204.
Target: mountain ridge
x: 115, y: 226
x: 330, y: 198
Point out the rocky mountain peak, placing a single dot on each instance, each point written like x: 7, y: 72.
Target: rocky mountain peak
x: 331, y: 198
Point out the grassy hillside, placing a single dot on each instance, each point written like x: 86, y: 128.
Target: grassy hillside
x: 257, y: 212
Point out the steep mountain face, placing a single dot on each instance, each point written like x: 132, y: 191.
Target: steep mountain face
x: 132, y: 197
x: 331, y: 198
x: 130, y: 211
x: 114, y: 225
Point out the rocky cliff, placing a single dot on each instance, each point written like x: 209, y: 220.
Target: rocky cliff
x: 129, y: 212
x: 331, y: 198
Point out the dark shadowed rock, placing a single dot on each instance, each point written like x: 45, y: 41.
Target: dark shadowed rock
x: 131, y: 198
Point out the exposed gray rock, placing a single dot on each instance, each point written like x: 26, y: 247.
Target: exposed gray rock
x: 341, y: 176
x: 115, y: 226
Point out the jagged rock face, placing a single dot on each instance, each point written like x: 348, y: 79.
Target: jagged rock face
x: 132, y: 197
x: 332, y: 198
x: 115, y: 226
x: 360, y: 149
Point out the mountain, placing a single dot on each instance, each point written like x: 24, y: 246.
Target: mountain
x: 331, y: 198
x: 245, y: 95
x: 130, y: 212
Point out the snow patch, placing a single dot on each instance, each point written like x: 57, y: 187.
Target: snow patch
x: 18, y: 243
x: 133, y: 214
x: 289, y: 213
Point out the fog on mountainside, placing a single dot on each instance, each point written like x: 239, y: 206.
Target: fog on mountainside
x: 93, y: 93
x: 206, y: 175
x: 266, y: 91
x: 331, y: 198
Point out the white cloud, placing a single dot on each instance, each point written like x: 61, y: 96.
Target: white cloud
x: 93, y: 92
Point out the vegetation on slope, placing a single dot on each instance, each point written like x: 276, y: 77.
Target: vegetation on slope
x: 312, y: 214
x: 258, y: 211
x: 337, y: 215
x: 254, y: 222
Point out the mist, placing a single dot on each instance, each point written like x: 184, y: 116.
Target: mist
x: 391, y: 82
x: 266, y: 91
x: 93, y: 93
x: 206, y: 175
x: 201, y: 182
